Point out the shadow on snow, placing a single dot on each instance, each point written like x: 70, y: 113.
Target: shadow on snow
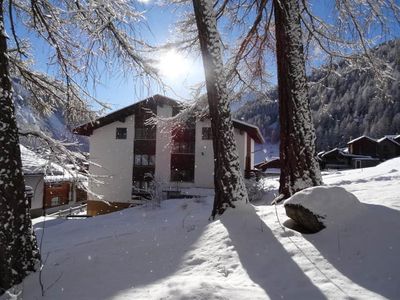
x: 272, y: 268
x: 374, y: 263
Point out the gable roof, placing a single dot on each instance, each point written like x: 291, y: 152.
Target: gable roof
x: 390, y: 139
x: 252, y: 130
x: 87, y: 129
x: 343, y: 153
x: 360, y: 138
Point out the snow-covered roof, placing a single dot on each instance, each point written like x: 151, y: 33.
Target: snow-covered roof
x: 341, y: 151
x: 330, y: 151
x: 31, y: 162
x: 389, y: 138
x: 67, y: 176
x: 360, y: 138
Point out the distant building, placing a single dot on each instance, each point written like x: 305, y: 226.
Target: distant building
x: 269, y: 168
x: 53, y: 186
x: 363, y: 145
x: 388, y: 148
x: 362, y: 152
x: 32, y: 167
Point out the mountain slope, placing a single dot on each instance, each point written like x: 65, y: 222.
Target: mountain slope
x: 54, y: 125
x: 343, y: 107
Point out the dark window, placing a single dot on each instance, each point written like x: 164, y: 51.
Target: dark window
x: 145, y: 146
x: 183, y: 147
x: 121, y: 133
x: 182, y: 167
x: 206, y: 133
x: 140, y: 185
x: 146, y: 133
x: 182, y: 156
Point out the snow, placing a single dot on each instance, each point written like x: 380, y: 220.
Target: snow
x: 361, y: 137
x: 333, y: 205
x: 31, y: 162
x: 175, y: 252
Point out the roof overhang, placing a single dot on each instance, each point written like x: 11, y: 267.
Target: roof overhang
x: 252, y: 130
x: 87, y: 129
x: 121, y: 114
x: 361, y: 138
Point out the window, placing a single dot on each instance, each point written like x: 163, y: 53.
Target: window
x: 182, y: 167
x: 206, y: 133
x: 121, y: 134
x: 182, y: 175
x: 152, y: 160
x: 183, y: 147
x: 140, y: 186
x: 55, y: 201
x: 145, y: 133
x: 144, y: 160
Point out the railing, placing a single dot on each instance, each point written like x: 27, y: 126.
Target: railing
x: 69, y: 212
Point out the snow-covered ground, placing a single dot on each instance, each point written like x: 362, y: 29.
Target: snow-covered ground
x: 174, y: 252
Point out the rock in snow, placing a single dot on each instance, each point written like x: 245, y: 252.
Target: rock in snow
x: 319, y: 207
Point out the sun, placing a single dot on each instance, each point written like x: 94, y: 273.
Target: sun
x: 173, y: 65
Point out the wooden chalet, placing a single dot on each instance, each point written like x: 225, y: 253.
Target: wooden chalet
x: 335, y: 159
x: 362, y: 152
x: 388, y: 148
x: 363, y: 145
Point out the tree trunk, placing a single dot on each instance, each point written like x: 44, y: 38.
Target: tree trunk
x: 18, y: 248
x: 228, y: 180
x: 299, y: 167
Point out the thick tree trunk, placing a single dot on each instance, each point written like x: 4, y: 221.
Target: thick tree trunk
x: 18, y: 248
x: 228, y: 179
x: 299, y: 168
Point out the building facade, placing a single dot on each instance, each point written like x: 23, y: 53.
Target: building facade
x: 127, y: 154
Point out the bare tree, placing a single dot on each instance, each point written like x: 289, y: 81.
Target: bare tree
x: 80, y: 34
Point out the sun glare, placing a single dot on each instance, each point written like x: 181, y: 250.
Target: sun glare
x: 173, y: 65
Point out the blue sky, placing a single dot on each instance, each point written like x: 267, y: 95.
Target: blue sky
x: 183, y: 71
x: 179, y: 72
